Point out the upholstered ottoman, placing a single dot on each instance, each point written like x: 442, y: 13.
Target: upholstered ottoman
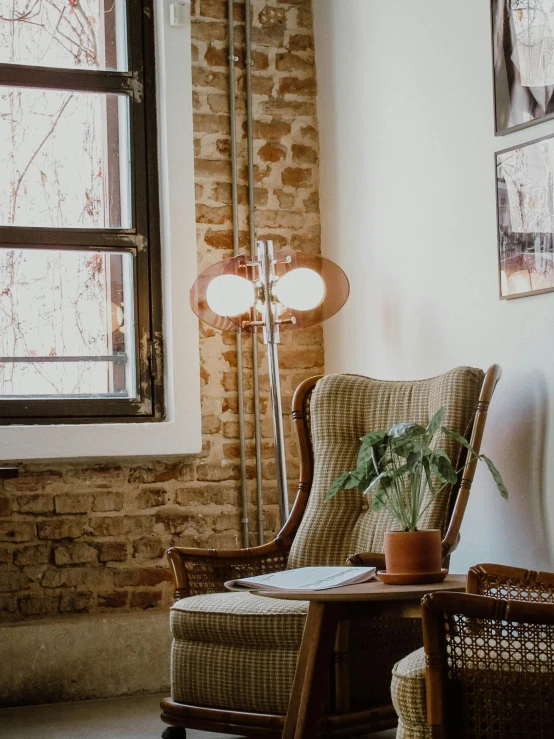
x: 408, y: 696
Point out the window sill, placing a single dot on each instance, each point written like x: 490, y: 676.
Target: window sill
x: 45, y: 443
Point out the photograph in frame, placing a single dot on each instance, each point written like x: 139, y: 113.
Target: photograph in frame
x: 523, y: 62
x: 525, y: 218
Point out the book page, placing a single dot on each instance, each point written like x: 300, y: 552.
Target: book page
x: 304, y: 578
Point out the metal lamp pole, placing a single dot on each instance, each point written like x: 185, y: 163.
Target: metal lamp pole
x: 266, y: 266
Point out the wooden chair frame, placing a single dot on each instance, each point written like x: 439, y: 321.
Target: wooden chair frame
x: 476, y: 604
x: 229, y: 563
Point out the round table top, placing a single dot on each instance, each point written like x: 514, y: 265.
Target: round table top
x: 367, y: 591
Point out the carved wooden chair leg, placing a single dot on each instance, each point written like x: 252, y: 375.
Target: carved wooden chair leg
x: 174, y: 732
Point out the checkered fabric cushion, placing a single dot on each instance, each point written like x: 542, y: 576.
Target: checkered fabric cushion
x: 236, y: 651
x: 408, y: 696
x: 344, y: 408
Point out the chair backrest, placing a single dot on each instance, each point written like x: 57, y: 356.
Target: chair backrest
x: 342, y: 409
x: 490, y: 666
x: 511, y: 583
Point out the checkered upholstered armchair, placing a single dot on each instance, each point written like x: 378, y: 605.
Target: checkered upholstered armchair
x: 234, y: 654
x: 490, y: 671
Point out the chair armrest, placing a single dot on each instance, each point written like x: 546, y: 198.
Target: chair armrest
x: 486, y: 607
x: 448, y: 548
x: 367, y: 559
x: 201, y: 571
x: 511, y: 583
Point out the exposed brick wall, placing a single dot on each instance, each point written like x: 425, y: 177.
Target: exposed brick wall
x: 79, y: 538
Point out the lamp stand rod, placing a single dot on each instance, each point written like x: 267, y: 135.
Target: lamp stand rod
x: 252, y: 238
x: 278, y: 436
x: 240, y: 385
x: 272, y: 339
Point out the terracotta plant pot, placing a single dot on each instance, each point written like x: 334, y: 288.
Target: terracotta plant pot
x: 413, y: 556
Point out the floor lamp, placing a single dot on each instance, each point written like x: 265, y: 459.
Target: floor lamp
x: 277, y: 291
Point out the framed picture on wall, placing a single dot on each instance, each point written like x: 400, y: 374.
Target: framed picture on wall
x: 525, y: 217
x: 523, y: 61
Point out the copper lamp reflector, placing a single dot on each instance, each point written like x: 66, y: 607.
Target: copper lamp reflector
x: 336, y: 292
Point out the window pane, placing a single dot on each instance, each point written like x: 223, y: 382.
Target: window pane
x: 64, y: 159
x: 66, y: 324
x: 83, y: 34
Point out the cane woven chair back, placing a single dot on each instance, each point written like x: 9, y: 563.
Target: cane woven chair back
x: 511, y: 583
x: 345, y: 407
x: 491, y: 661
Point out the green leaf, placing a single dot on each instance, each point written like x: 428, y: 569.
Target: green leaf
x: 337, y: 485
x: 364, y: 455
x: 438, y: 474
x: 427, y: 467
x: 384, y: 479
x: 441, y: 467
x: 413, y: 461
x: 425, y: 451
x: 444, y: 472
x: 435, y: 422
x: 406, y: 430
x: 373, y: 438
x: 375, y: 458
x: 352, y: 482
x: 459, y: 439
x: 497, y: 476
x: 400, y: 471
x: 405, y: 447
x: 379, y: 500
x: 362, y: 476
x: 401, y: 446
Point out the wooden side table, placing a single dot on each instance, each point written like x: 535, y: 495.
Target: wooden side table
x: 327, y: 608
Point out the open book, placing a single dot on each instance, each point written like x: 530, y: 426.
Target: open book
x: 305, y: 578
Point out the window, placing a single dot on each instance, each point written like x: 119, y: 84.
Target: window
x: 80, y: 263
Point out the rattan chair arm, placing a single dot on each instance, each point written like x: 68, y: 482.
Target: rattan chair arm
x: 367, y: 559
x: 274, y: 545
x: 485, y: 607
x: 200, y: 571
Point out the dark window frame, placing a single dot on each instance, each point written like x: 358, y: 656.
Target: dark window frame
x: 142, y: 240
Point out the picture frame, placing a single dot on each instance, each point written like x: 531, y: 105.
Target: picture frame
x: 523, y: 63
x: 525, y: 218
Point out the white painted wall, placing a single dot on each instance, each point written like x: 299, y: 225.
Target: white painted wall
x: 408, y: 210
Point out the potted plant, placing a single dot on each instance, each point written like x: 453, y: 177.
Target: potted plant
x: 405, y: 471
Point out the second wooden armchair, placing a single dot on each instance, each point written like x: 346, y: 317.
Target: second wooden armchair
x: 234, y: 655
x: 489, y: 661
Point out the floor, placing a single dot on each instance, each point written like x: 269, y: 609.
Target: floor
x: 118, y: 718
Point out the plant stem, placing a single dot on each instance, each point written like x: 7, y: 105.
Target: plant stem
x: 400, y: 491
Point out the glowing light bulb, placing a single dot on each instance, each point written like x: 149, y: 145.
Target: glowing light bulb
x: 300, y: 289
x: 230, y: 295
